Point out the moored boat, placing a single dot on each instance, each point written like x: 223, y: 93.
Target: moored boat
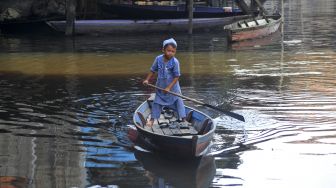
x: 142, y: 26
x: 152, y: 11
x: 252, y: 28
x: 172, y: 138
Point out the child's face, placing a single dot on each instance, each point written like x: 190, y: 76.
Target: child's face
x: 169, y: 51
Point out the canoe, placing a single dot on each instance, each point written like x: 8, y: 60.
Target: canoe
x: 252, y: 28
x: 170, y: 137
x: 128, y: 11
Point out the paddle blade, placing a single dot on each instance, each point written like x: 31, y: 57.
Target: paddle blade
x: 231, y: 114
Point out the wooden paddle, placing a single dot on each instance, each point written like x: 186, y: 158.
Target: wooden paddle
x: 232, y: 114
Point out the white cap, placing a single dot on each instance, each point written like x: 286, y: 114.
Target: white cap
x: 169, y: 41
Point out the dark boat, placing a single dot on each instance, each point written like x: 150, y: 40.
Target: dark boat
x: 31, y: 24
x: 142, y: 26
x: 129, y: 11
x: 253, y: 28
x: 171, y: 138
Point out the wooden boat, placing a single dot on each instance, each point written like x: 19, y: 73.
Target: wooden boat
x: 258, y: 42
x: 134, y: 11
x: 142, y: 26
x: 252, y: 28
x: 172, y: 138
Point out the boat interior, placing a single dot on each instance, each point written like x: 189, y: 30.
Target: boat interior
x: 253, y: 22
x: 170, y: 125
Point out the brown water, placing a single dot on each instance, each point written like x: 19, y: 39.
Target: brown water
x: 64, y: 105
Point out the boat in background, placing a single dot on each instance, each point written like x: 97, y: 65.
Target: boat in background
x: 163, y: 11
x: 252, y: 28
x: 96, y: 27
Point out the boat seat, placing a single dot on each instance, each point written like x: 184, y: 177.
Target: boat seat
x: 205, y: 127
x: 142, y: 119
x: 242, y: 25
x: 239, y: 25
x: 189, y: 116
x: 262, y: 22
x: 150, y: 100
x: 244, y: 22
x: 252, y: 24
x: 256, y: 21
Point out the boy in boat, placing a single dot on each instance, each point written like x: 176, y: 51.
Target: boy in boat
x: 168, y: 69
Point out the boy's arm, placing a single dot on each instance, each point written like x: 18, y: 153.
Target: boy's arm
x: 168, y: 88
x: 149, y: 76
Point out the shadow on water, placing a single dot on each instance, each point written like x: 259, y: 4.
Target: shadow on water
x: 163, y: 172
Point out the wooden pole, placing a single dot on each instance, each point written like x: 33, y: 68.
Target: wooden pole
x: 232, y: 114
x: 191, y: 16
x: 70, y: 17
x: 243, y: 6
x: 261, y: 7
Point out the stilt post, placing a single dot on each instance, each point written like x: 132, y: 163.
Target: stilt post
x: 191, y: 16
x: 70, y: 17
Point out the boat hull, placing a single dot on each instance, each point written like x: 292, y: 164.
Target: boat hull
x: 142, y: 26
x: 174, y: 146
x: 253, y: 32
x: 244, y: 35
x: 121, y: 11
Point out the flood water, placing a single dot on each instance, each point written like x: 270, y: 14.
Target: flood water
x: 64, y: 106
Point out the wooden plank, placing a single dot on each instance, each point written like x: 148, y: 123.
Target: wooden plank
x: 192, y: 130
x: 147, y: 128
x: 167, y: 131
x: 157, y: 130
x: 175, y: 131
x: 163, y: 120
x: 185, y: 131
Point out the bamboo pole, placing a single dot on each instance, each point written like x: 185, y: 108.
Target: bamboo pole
x: 70, y: 17
x: 190, y: 15
x: 261, y: 7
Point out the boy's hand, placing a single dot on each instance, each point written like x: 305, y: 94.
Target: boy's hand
x: 145, y: 82
x: 167, y: 89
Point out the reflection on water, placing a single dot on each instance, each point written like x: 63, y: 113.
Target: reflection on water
x: 163, y: 172
x: 64, y: 105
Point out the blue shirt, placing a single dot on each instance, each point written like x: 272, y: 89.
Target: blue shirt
x: 166, y: 74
